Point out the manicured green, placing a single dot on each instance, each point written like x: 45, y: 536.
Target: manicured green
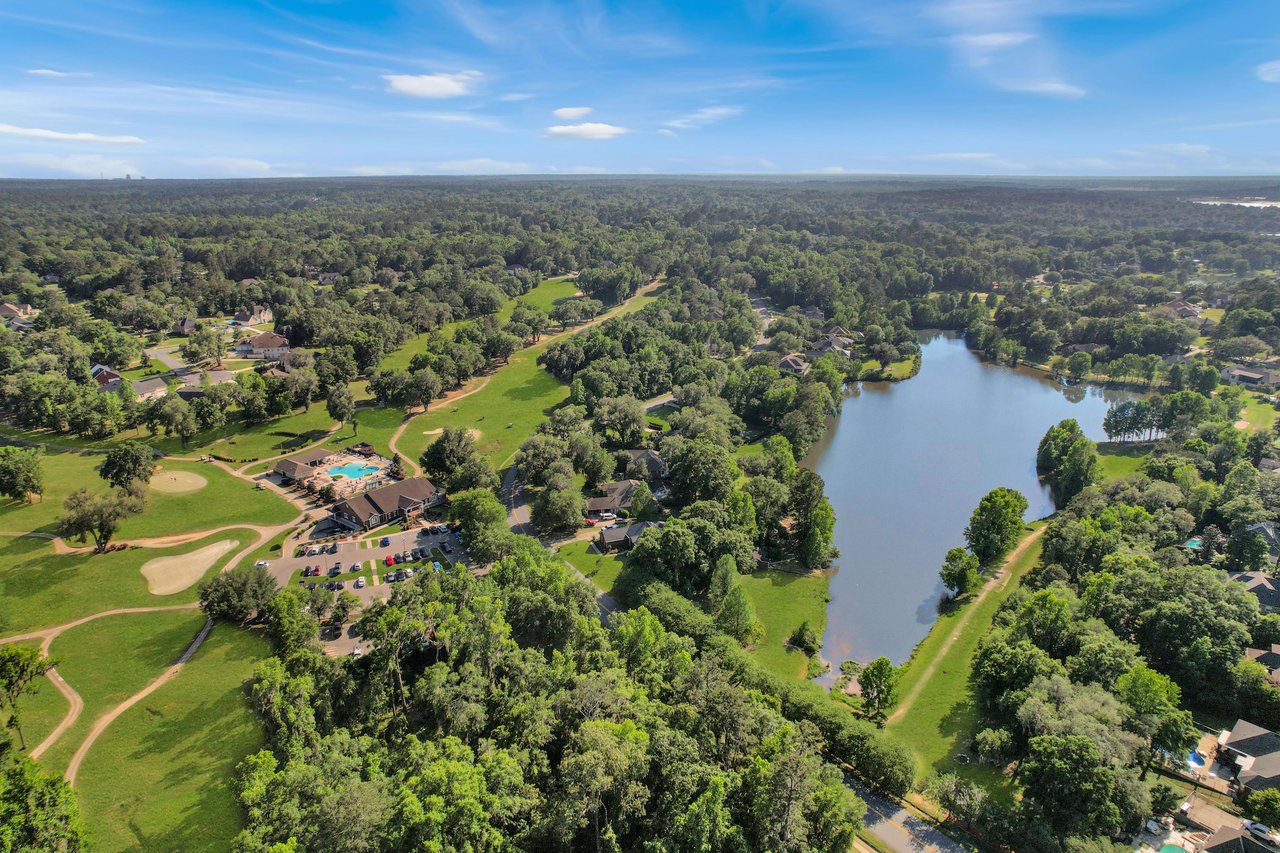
x: 601, y: 569
x: 783, y: 600
x: 181, y: 746
x: 234, y: 440
x: 109, y: 659
x: 1116, y: 461
x: 39, y: 588
x: 41, y: 712
x: 1258, y: 414
x: 944, y: 717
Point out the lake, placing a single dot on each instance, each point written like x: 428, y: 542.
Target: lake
x: 906, y: 463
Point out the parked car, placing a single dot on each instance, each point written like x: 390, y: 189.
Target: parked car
x: 607, y: 516
x: 311, y: 585
x: 333, y: 549
x: 408, y: 573
x: 261, y: 564
x: 388, y: 560
x: 386, y: 540
x: 400, y: 575
x: 339, y: 585
x: 359, y: 584
x: 356, y: 651
x: 436, y: 565
x: 448, y: 549
x: 312, y: 551
x: 355, y: 567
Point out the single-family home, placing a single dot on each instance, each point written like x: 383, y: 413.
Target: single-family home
x: 51, y: 278
x: 301, y: 466
x: 1266, y: 463
x: 1269, y: 658
x: 151, y: 388
x: 1181, y: 309
x: 329, y: 278
x: 624, y: 537
x: 264, y: 345
x: 814, y: 314
x: 613, y: 497
x: 1267, y: 531
x: 20, y: 311
x: 794, y: 364
x: 1265, y: 587
x: 1236, y: 374
x: 650, y: 462
x: 104, y: 375
x: 110, y: 382
x: 1235, y: 839
x: 838, y: 344
x: 1254, y: 752
x: 249, y: 282
x: 399, y: 501
x: 184, y: 326
x: 254, y: 316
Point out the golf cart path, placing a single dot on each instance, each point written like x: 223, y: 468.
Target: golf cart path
x: 998, y: 581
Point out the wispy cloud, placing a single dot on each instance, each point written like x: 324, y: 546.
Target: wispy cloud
x: 60, y: 136
x: 483, y: 166
x: 666, y: 131
x: 571, y: 112
x: 241, y: 167
x: 477, y: 120
x: 1269, y: 72
x: 80, y: 165
x: 433, y: 85
x: 516, y: 96
x: 49, y: 72
x: 586, y: 130
x: 704, y: 117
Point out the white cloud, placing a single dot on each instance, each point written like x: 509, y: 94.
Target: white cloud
x: 482, y: 166
x: 704, y: 117
x: 586, y: 130
x: 1269, y: 72
x: 49, y: 72
x: 81, y: 165
x: 991, y: 41
x: 239, y: 167
x: 474, y: 119
x: 571, y: 112
x: 666, y: 132
x: 59, y: 136
x: 433, y: 85
x: 1056, y: 88
x: 516, y: 96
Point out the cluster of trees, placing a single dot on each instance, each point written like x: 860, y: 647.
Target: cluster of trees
x: 1067, y: 459
x: 498, y: 712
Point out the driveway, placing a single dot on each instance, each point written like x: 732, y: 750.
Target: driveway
x: 902, y: 831
x: 166, y: 356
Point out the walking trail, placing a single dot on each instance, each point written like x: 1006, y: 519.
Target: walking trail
x: 998, y: 581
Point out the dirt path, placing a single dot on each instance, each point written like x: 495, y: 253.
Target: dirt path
x: 73, y: 712
x: 998, y: 581
x: 108, y: 718
x: 451, y: 397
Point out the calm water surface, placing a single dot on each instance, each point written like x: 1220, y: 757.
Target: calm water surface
x: 905, y: 464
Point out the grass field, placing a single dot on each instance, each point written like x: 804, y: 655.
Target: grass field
x: 236, y: 441
x: 1258, y: 414
x: 180, y: 746
x: 1120, y: 460
x: 944, y: 717
x: 601, y: 569
x: 784, y: 600
x: 225, y: 500
x: 140, y: 646
x: 40, y: 712
x: 39, y: 588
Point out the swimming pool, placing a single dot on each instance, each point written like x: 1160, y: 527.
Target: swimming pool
x: 1194, y: 759
x: 353, y: 470
x: 1172, y: 848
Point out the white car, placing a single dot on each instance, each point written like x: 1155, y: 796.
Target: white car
x: 356, y: 651
x: 262, y: 564
x: 607, y: 516
x: 359, y: 584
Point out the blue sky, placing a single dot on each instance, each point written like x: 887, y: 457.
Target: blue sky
x: 254, y: 89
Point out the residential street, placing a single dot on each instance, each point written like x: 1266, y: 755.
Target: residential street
x: 901, y: 830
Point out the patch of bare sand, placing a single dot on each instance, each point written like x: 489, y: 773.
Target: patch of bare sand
x: 177, y: 482
x: 167, y: 575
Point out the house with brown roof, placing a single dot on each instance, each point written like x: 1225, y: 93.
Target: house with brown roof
x: 613, y: 497
x: 301, y: 466
x: 21, y: 311
x: 1254, y: 752
x: 1268, y: 658
x: 264, y: 345
x: 793, y: 364
x: 648, y: 461
x: 254, y: 316
x: 398, y: 501
x: 624, y: 537
x: 184, y: 326
x: 104, y: 375
x: 1265, y: 587
x: 1235, y: 839
x: 1237, y: 374
x: 1181, y: 309
x: 838, y: 344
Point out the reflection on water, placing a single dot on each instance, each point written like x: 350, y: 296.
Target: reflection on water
x: 906, y: 463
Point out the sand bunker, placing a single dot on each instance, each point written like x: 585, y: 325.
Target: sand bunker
x: 177, y: 482
x: 473, y: 432
x: 167, y: 575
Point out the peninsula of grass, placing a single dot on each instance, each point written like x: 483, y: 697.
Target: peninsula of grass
x: 181, y: 746
x: 39, y: 588
x: 601, y: 569
x: 784, y: 600
x: 943, y: 718
x: 141, y: 646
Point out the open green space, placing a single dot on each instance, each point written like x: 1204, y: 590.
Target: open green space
x: 181, y: 746
x: 944, y: 716
x: 783, y: 600
x: 39, y: 588
x: 237, y: 441
x: 109, y: 659
x: 1258, y: 414
x: 601, y: 569
x: 1117, y: 460
x: 40, y: 712
x: 225, y: 500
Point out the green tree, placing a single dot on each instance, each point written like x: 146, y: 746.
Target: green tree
x: 238, y: 595
x: 737, y: 617
x: 342, y: 407
x: 447, y: 454
x: 1071, y: 784
x: 960, y: 572
x: 877, y: 682
x: 97, y: 514
x: 1079, y: 364
x: 21, y: 474
x: 1264, y: 806
x: 131, y: 462
x: 207, y: 342
x: 996, y: 524
x: 724, y: 577
x: 701, y: 470
x: 20, y: 666
x: 38, y: 811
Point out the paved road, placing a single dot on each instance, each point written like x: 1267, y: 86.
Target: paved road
x: 900, y: 829
x: 166, y: 357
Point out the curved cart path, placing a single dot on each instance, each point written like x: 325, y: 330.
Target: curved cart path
x: 999, y: 581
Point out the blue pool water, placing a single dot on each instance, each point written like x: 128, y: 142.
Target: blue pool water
x: 352, y: 470
x: 1194, y: 759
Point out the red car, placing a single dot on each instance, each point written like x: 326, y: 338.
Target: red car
x: 389, y: 561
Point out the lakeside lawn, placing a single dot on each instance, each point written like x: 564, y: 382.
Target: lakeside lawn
x: 944, y: 717
x: 225, y: 500
x: 783, y: 601
x: 181, y: 746
x: 601, y: 569
x: 1118, y: 460
x: 108, y: 660
x: 39, y: 588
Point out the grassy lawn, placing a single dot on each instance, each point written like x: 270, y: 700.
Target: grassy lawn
x: 225, y: 500
x: 181, y: 746
x: 784, y: 600
x: 1116, y: 460
x: 39, y: 588
x: 601, y: 569
x: 141, y: 646
x: 1258, y: 413
x: 944, y: 717
x: 41, y: 712
x: 236, y: 441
